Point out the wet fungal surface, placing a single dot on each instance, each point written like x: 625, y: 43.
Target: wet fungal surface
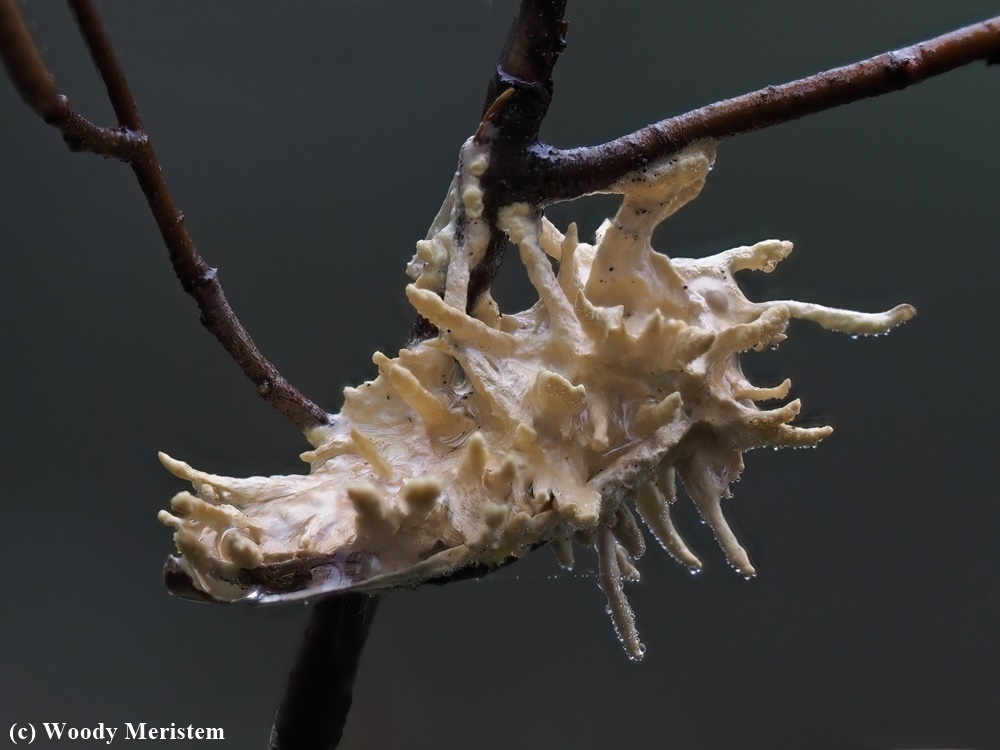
x: 556, y: 425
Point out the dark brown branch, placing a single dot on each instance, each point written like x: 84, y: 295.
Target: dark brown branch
x: 103, y: 54
x: 35, y: 85
x: 536, y: 38
x: 320, y: 687
x: 130, y: 144
x: 567, y: 174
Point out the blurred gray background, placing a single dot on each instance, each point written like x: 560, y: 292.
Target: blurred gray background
x: 309, y: 145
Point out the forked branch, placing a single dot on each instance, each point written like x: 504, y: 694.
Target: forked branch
x: 574, y: 172
x: 129, y: 143
x: 525, y: 169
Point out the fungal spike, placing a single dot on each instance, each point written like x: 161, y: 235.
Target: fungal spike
x: 438, y: 419
x: 848, y: 321
x: 557, y: 400
x: 743, y: 336
x: 229, y: 485
x: 775, y: 417
x: 654, y: 509
x: 370, y: 506
x: 787, y: 436
x: 311, y: 533
x: 708, y: 500
x: 187, y: 505
x: 370, y: 452
x: 763, y: 394
x: 426, y: 251
x: 551, y: 240
x: 599, y: 440
x: 628, y: 571
x: 381, y: 361
x: 652, y: 331
x: 628, y: 533
x: 169, y: 519
x: 570, y: 241
x: 459, y: 325
x: 179, y: 469
x: 568, y: 276
x: 325, y: 452
x: 473, y: 463
x: 367, y: 498
x: 421, y: 494
x: 555, y: 390
x: 594, y: 321
x: 610, y: 581
x: 428, y: 267
x: 563, y: 550
x: 762, y: 256
x: 523, y: 228
x: 193, y: 550
x: 679, y: 344
x: 651, y: 417
x: 240, y: 550
x: 501, y: 481
x: 524, y: 438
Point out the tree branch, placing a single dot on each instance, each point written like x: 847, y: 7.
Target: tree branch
x: 567, y: 174
x: 522, y: 169
x: 320, y: 687
x: 35, y: 85
x: 536, y: 38
x: 517, y: 99
x: 129, y: 143
x: 103, y: 54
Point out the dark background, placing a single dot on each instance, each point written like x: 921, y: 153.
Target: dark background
x: 309, y: 145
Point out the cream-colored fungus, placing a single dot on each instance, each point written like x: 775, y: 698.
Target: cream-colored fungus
x: 505, y: 432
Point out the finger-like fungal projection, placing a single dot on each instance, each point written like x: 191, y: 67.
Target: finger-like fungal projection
x: 505, y: 432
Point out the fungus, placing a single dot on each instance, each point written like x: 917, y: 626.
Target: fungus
x: 501, y: 434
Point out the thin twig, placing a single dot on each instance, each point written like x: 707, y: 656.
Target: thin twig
x: 570, y: 173
x: 536, y: 38
x: 35, y: 85
x: 130, y: 143
x: 321, y: 684
x: 102, y: 52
